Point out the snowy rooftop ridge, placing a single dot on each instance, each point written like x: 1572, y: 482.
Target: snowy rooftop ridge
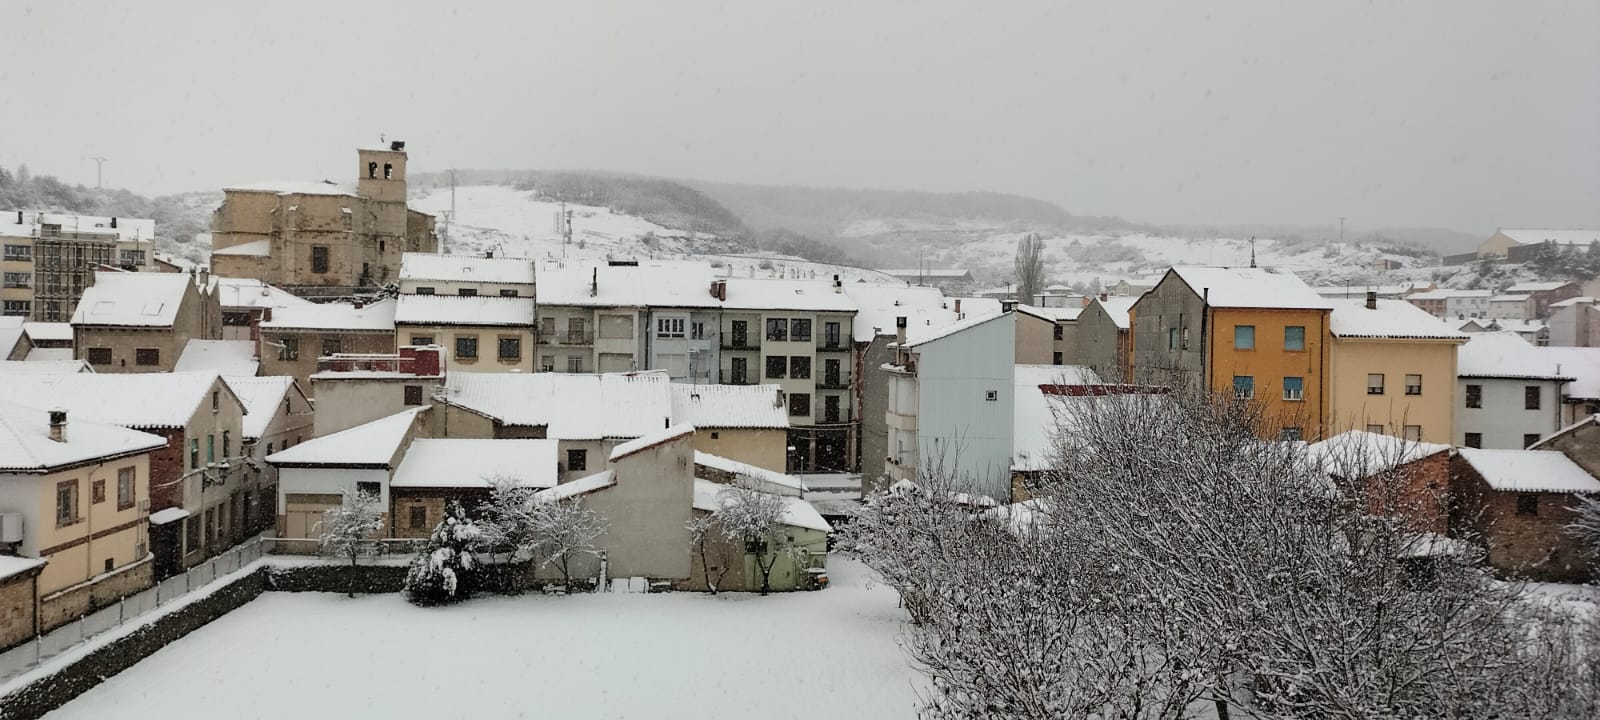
x: 473, y: 463
x: 1529, y: 236
x: 1117, y: 309
x: 729, y: 406
x: 466, y: 268
x: 252, y: 293
x: 295, y: 187
x: 225, y: 357
x: 1033, y: 410
x: 48, y: 331
x: 796, y: 512
x: 1225, y: 287
x: 759, y: 474
x: 132, y: 299
x: 1359, y: 454
x: 483, y: 310
x: 134, y: 400
x: 1396, y: 319
x: 44, y: 367
x: 376, y: 316
x: 915, y: 337
x: 572, y: 406
x: 1533, y: 287
x: 582, y: 486
x: 126, y: 229
x: 645, y: 442
x: 25, y: 444
x: 262, y: 396
x: 371, y: 445
x: 1052, y: 314
x: 1530, y: 471
x: 1582, y: 364
x: 1505, y: 355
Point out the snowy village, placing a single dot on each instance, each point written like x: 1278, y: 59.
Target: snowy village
x: 398, y: 438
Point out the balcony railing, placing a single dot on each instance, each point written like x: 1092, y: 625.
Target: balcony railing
x: 838, y: 417
x: 566, y: 338
x: 833, y: 382
x: 729, y: 378
x: 736, y: 344
x: 833, y: 345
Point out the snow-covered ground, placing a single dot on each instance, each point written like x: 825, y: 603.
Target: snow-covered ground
x: 800, y: 655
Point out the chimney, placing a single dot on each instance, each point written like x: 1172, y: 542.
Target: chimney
x: 205, y: 276
x: 113, y: 223
x: 594, y: 282
x: 358, y: 303
x: 1372, y: 299
x: 958, y: 308
x: 58, y: 425
x: 722, y: 291
x: 838, y: 287
x: 900, y: 329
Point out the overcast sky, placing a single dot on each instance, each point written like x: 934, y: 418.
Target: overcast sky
x: 1459, y: 114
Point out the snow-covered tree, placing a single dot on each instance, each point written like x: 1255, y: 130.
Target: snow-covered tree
x: 753, y: 517
x: 349, y: 528
x: 442, y: 572
x: 1029, y: 267
x: 508, y: 517
x: 704, y: 531
x: 564, y: 529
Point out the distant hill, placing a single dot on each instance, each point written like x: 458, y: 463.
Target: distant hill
x: 179, y: 218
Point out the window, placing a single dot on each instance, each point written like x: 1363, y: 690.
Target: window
x: 1413, y: 384
x: 16, y: 308
x: 1055, y: 358
x: 100, y: 356
x: 1244, y: 337
x: 508, y: 293
x: 1473, y: 440
x: 740, y: 329
x: 1058, y: 331
x: 800, y: 329
x: 1530, y: 397
x: 739, y: 368
x: 1294, y: 337
x: 777, y: 366
x: 1375, y: 429
x: 574, y: 363
x: 110, y: 565
x: 1244, y: 387
x: 991, y: 396
x: 19, y: 252
x: 421, y: 339
x: 577, y: 459
x: 1289, y: 434
x: 467, y: 292
x: 372, y: 169
x: 1527, y: 503
x: 800, y: 367
x: 1294, y: 388
x: 669, y: 327
x: 289, y: 348
x: 269, y: 448
x: 419, y: 517
x: 715, y: 435
x: 319, y: 258
x: 1474, y: 396
x: 799, y: 404
x: 697, y: 331
x: 388, y: 171
x: 18, y: 280
x: 467, y: 347
x: 227, y: 444
x: 1172, y: 338
x: 211, y: 449
x: 124, y: 488
x: 1413, y: 433
x: 424, y: 291
x: 1375, y: 383
x: 369, y: 487
x: 547, y: 363
x: 830, y: 333
x: 66, y: 503
x: 216, y: 400
x: 777, y: 329
x: 97, y: 492
x: 194, y: 453
x: 191, y: 534
x: 1529, y: 440
x: 332, y: 346
x: 510, y: 348
x: 146, y: 356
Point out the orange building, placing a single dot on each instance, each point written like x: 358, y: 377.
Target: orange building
x: 1261, y: 334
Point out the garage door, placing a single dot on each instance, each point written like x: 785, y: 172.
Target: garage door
x: 303, y: 513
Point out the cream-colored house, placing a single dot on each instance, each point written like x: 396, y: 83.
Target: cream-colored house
x: 1046, y: 335
x: 746, y: 423
x: 81, y: 493
x: 480, y: 333
x: 1393, y: 370
x: 466, y: 275
x: 140, y: 322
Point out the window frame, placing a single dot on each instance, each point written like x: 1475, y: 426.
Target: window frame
x: 1472, y: 440
x: 514, y: 343
x: 463, y: 344
x: 1287, y: 334
x: 289, y: 348
x: 67, y: 503
x: 1246, y: 383
x: 415, y: 520
x: 800, y: 367
x: 1527, y: 504
x: 778, y: 362
x: 1474, y: 397
x: 800, y: 329
x: 1246, y: 333
x: 1532, y: 397
x: 577, y: 460
x: 777, y: 329
x: 147, y: 357
x: 411, y: 396
x: 321, y: 259
x: 98, y: 355
x: 1382, y: 385
x: 801, y: 402
x: 1299, y: 390
x: 127, y: 489
x: 1413, y: 390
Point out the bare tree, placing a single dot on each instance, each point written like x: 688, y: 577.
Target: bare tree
x: 565, y: 529
x: 704, y: 531
x: 350, y: 528
x: 753, y: 517
x: 1029, y: 267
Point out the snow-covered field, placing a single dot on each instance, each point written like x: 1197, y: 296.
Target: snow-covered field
x: 800, y: 655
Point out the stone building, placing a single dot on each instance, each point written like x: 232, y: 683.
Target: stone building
x: 1102, y: 341
x: 141, y: 322
x: 1518, y: 504
x: 323, y: 238
x: 295, y: 337
x: 50, y: 259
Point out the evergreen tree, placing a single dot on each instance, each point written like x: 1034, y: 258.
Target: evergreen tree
x: 444, y: 571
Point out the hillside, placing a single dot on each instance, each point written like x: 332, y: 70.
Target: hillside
x: 178, y: 217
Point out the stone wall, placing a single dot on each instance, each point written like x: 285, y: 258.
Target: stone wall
x: 63, y: 607
x: 17, y: 608
x: 1533, y: 545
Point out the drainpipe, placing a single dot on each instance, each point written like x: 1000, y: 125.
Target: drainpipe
x: 1205, y: 339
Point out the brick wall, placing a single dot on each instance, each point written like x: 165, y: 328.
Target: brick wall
x: 1534, y: 546
x: 166, y: 470
x: 1420, y: 491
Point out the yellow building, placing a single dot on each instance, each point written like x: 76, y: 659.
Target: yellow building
x: 49, y: 259
x: 1394, y: 370
x: 76, y: 495
x: 745, y: 423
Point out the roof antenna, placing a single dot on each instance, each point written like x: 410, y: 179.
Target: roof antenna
x: 1252, y: 251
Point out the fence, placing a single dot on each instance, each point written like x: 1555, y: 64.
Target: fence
x: 131, y: 608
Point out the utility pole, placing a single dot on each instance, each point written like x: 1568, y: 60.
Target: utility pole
x: 99, y: 170
x: 452, y: 192
x: 1341, y: 229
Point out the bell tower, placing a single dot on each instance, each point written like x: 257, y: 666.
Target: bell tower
x: 381, y: 175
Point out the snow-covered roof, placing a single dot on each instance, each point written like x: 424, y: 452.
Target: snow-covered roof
x: 1033, y: 425
x: 1548, y: 440
x: 657, y: 284
x: 1580, y: 300
x: 645, y: 442
x: 466, y: 268
x: 12, y: 566
x: 1397, y: 319
x: 921, y: 336
x: 1117, y: 308
x: 1517, y: 326
x: 145, y: 299
x: 729, y: 406
x: 55, y: 355
x: 226, y: 357
x: 1582, y: 364
x: 1504, y: 355
x: 1251, y: 288
x: 1533, y: 287
x: 1530, y: 471
x: 572, y: 406
x: 44, y: 367
x: 759, y: 474
x: 464, y: 463
x: 1447, y: 293
x: 252, y: 293
x: 879, y: 304
x: 1518, y: 299
x: 930, y: 273
x: 1052, y: 314
x: 295, y: 187
x: 11, y: 333
x: 127, y: 229
x: 48, y: 331
x: 25, y: 444
x: 171, y: 514
x: 582, y: 486
x: 486, y: 310
x: 1529, y: 236
x: 334, y: 316
x: 261, y: 396
x: 137, y: 400
x: 1359, y: 454
x: 773, y: 294
x: 252, y: 248
x: 371, y: 445
x: 796, y: 512
x: 1348, y: 292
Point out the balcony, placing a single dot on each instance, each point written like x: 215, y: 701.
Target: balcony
x: 835, y: 417
x: 833, y: 382
x: 571, y: 338
x: 734, y: 344
x: 731, y: 378
x: 833, y: 345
